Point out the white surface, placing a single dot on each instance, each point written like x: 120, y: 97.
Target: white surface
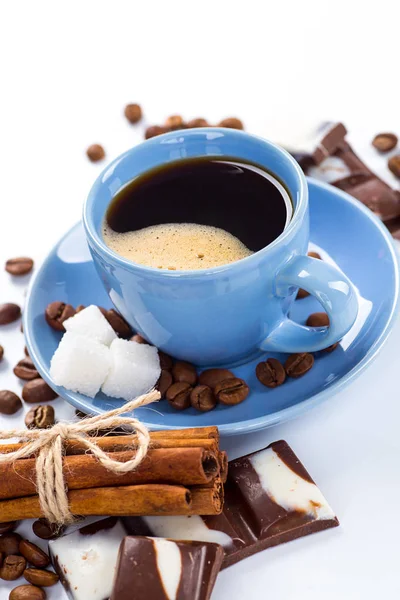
x: 66, y: 74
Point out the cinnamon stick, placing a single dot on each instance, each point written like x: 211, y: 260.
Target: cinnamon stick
x: 223, y: 466
x: 179, y: 466
x: 207, y: 500
x: 135, y: 500
x: 205, y: 437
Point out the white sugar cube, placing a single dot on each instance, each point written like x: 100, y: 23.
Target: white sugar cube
x: 135, y: 369
x: 80, y: 364
x: 91, y: 323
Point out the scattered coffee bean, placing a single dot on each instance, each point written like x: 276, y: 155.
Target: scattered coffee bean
x: 33, y: 554
x: 166, y: 362
x: 95, y: 152
x: 12, y: 567
x: 133, y: 113
x: 174, y: 122
x: 178, y: 395
x: 202, y: 398
x: 211, y: 377
x: 6, y: 527
x: 26, y: 351
x: 314, y: 255
x: 41, y: 577
x: 154, y: 130
x: 10, y: 403
x: 231, y: 123
x: 318, y: 319
x: 26, y: 370
x: 21, y: 328
x: 38, y: 391
x: 40, y: 417
x: 58, y: 312
x: 9, y: 313
x: 1, y: 352
x: 330, y: 349
x: 299, y: 364
x: 19, y: 266
x: 302, y: 294
x: 164, y: 382
x: 138, y: 339
x: 80, y: 307
x: 199, y: 122
x: 46, y: 531
x: 271, y: 373
x: 118, y: 323
x: 27, y: 592
x: 394, y: 165
x: 184, y: 371
x: 231, y: 391
x: 384, y: 142
x: 9, y: 543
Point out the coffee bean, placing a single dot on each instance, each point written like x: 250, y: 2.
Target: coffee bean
x: 47, y: 531
x: 178, y: 395
x: 118, y: 323
x: 394, y: 165
x: 9, y: 313
x: 184, y: 371
x: 26, y: 351
x: 138, y: 339
x: 302, y: 294
x: 38, y: 391
x: 9, y: 543
x: 166, y: 362
x: 10, y: 403
x: 1, y: 352
x: 318, y: 319
x: 199, y: 122
x: 33, y: 554
x: 211, y: 377
x: 6, y: 527
x: 19, y: 266
x: 174, y: 122
x: 299, y: 364
x: 231, y: 123
x: 154, y: 130
x: 40, y: 417
x: 202, y: 398
x: 27, y: 592
x: 384, y: 142
x: 80, y: 307
x: 95, y: 152
x: 164, y: 382
x: 133, y: 113
x: 314, y: 255
x: 41, y: 577
x: 12, y: 568
x: 231, y: 391
x: 271, y: 372
x: 58, y: 312
x: 26, y: 370
x: 330, y: 349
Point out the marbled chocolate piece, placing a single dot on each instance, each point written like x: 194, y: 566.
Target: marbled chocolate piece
x: 160, y: 569
x: 269, y: 499
x: 85, y: 559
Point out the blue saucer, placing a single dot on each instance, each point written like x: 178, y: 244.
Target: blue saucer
x: 342, y: 230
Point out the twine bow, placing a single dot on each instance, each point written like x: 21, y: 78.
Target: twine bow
x: 48, y: 444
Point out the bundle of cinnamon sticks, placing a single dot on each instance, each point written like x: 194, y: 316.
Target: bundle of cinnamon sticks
x: 182, y: 474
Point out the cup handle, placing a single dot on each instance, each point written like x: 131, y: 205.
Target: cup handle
x: 335, y: 293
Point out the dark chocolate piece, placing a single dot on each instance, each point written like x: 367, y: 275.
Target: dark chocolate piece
x: 269, y: 499
x: 162, y: 569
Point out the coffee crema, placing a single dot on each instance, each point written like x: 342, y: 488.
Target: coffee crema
x: 197, y: 213
x: 186, y: 246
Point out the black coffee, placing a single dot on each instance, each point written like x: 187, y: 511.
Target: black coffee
x: 197, y: 213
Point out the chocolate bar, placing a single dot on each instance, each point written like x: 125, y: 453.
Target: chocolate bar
x: 159, y: 569
x: 85, y: 560
x: 269, y: 499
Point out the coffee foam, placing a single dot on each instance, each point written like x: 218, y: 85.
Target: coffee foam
x: 177, y: 246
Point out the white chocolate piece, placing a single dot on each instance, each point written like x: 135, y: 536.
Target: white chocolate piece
x: 169, y: 565
x: 186, y: 528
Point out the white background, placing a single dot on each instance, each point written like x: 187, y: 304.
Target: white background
x: 68, y: 69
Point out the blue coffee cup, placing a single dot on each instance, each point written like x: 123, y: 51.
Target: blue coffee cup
x: 223, y: 315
